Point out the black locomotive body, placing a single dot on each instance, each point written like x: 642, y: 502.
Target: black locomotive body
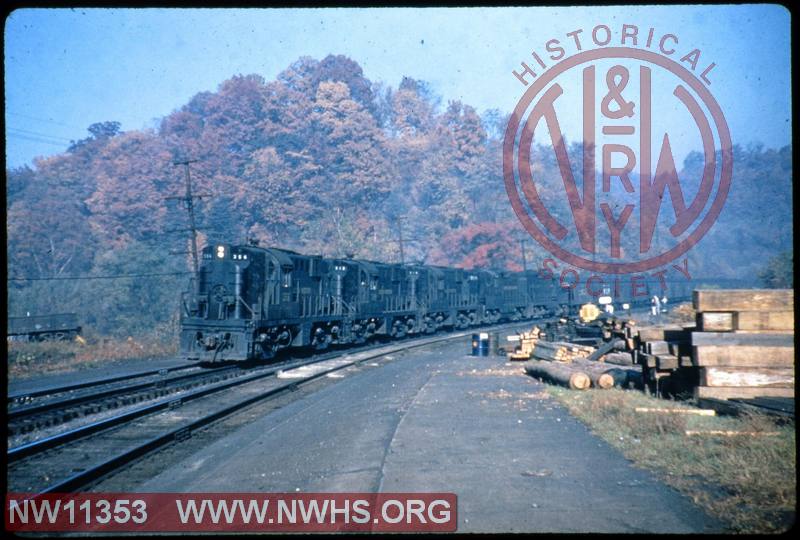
x: 248, y: 302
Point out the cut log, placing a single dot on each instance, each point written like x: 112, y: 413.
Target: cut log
x: 713, y: 355
x: 561, y: 374
x: 727, y: 338
x: 756, y: 321
x: 715, y: 322
x: 730, y: 392
x: 605, y: 348
x: 619, y: 358
x: 621, y: 377
x: 601, y: 380
x: 744, y: 300
x: 597, y: 374
x: 743, y: 376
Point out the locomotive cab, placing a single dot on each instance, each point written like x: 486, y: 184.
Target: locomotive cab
x: 218, y: 294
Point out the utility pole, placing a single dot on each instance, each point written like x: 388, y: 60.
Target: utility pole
x: 400, y: 238
x: 188, y: 199
x: 524, y: 260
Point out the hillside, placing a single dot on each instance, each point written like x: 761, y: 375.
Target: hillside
x: 319, y: 160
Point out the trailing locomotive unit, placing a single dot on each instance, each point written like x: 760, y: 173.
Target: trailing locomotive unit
x: 248, y: 302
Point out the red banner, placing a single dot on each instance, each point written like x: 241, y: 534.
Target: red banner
x: 231, y: 512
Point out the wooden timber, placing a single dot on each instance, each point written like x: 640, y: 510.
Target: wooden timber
x: 742, y: 355
x: 779, y: 407
x: 747, y: 376
x: 661, y: 410
x: 728, y: 392
x: 715, y: 322
x: 743, y: 300
x: 746, y: 321
x: 728, y: 339
x: 776, y: 321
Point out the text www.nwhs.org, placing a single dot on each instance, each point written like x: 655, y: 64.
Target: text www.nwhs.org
x: 308, y: 512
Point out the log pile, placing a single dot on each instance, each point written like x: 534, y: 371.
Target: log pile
x: 582, y: 374
x: 577, y: 367
x: 740, y: 348
x: 743, y: 346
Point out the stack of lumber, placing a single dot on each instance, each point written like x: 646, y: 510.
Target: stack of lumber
x: 560, y: 351
x: 527, y: 343
x: 665, y: 347
x: 661, y: 351
x: 744, y: 343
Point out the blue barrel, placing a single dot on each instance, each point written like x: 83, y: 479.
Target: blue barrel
x: 480, y: 344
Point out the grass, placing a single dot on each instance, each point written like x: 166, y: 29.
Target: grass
x: 32, y: 359
x: 749, y: 482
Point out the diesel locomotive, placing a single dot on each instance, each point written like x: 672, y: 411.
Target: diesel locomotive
x: 248, y: 302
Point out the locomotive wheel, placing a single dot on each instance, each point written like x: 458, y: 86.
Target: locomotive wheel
x: 321, y: 340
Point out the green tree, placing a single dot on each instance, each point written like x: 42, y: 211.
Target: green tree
x: 779, y: 273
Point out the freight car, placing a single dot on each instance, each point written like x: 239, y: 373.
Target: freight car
x: 248, y: 302
x: 56, y: 327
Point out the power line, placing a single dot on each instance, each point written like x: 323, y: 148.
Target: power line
x: 119, y: 276
x: 50, y: 121
x: 26, y: 131
x: 36, y: 139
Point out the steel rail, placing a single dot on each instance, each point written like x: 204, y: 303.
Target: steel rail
x: 23, y: 412
x: 97, y: 382
x: 180, y: 433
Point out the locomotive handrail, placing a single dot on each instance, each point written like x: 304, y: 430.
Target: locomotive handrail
x: 252, y: 313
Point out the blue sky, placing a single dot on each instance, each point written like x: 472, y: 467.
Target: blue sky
x: 68, y: 68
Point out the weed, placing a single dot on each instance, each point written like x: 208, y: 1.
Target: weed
x: 747, y: 481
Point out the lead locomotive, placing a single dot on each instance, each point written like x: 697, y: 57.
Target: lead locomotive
x: 249, y: 302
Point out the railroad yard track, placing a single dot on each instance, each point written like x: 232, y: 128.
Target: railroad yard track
x: 51, y: 407
x: 73, y: 459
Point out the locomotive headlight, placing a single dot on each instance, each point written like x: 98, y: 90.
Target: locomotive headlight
x: 221, y: 252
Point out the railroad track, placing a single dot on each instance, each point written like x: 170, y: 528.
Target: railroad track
x: 22, y: 398
x: 54, y: 406
x: 74, y: 459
